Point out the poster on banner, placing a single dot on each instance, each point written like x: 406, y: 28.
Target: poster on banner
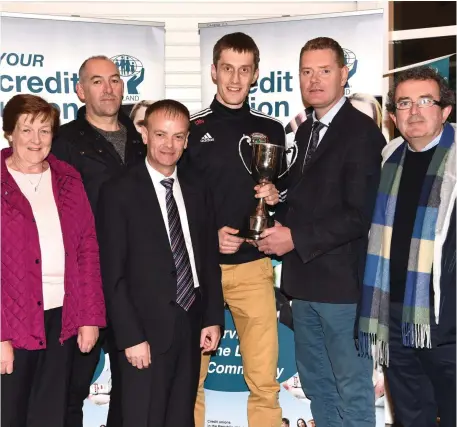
x: 277, y: 93
x: 41, y: 55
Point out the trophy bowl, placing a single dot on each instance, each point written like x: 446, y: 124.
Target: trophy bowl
x: 266, y: 163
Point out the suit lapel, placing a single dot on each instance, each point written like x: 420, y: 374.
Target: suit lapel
x: 330, y: 137
x: 191, y: 204
x: 326, y: 141
x: 302, y: 145
x: 150, y: 205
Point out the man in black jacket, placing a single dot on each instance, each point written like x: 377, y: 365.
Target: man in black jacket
x: 100, y: 143
x: 161, y: 276
x: 323, y: 239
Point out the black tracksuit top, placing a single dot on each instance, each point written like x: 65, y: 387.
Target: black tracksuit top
x: 213, y: 152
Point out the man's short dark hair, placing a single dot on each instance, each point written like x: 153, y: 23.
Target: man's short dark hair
x: 286, y: 420
x: 170, y: 107
x: 238, y: 42
x: 321, y: 43
x: 447, y: 95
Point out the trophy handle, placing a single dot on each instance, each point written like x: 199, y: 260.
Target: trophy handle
x: 248, y: 139
x: 293, y: 148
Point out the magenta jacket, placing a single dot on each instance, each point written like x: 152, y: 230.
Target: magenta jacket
x: 22, y: 319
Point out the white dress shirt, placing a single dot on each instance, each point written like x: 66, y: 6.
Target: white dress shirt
x: 161, y: 192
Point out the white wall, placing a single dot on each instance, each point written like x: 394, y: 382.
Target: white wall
x: 181, y: 22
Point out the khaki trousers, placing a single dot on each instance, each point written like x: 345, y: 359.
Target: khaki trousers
x: 249, y: 294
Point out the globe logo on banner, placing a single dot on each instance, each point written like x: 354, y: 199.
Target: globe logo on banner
x: 131, y: 70
x: 128, y: 65
x: 349, y: 58
x: 351, y: 62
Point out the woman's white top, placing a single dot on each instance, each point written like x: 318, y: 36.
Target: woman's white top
x: 38, y: 191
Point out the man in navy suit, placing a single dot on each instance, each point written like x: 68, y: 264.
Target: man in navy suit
x: 322, y: 233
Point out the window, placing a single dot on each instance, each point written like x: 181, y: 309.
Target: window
x: 409, y: 15
x: 423, y: 32
x: 408, y: 52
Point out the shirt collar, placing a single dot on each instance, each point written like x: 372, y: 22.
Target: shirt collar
x: 156, y: 176
x: 430, y: 145
x: 330, y: 115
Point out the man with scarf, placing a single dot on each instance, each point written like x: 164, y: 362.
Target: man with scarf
x: 408, y: 306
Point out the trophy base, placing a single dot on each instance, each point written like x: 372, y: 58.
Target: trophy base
x: 254, y: 234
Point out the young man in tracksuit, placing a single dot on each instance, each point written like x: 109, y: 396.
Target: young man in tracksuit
x: 247, y: 274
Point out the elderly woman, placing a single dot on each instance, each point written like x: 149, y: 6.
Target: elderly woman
x: 51, y: 293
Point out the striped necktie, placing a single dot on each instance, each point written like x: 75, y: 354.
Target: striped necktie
x: 185, y: 294
x: 312, y: 147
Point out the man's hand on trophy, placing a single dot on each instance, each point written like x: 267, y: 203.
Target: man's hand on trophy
x: 269, y: 192
x: 228, y: 242
x: 276, y: 240
x: 256, y: 242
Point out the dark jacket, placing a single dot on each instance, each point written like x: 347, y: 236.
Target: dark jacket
x: 447, y: 322
x: 21, y: 275
x: 95, y: 158
x: 138, y: 270
x: 214, y: 153
x: 329, y: 208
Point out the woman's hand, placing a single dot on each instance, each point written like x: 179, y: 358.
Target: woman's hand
x: 87, y: 337
x: 7, y: 357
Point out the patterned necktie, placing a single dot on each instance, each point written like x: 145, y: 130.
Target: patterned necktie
x: 185, y: 294
x: 317, y: 126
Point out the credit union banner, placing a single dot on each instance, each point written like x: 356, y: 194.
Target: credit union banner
x: 41, y: 55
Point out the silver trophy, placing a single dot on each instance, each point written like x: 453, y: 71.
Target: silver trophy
x: 266, y: 163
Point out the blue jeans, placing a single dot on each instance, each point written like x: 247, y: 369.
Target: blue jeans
x: 336, y: 380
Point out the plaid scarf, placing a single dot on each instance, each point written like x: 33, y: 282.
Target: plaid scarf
x: 374, y: 314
